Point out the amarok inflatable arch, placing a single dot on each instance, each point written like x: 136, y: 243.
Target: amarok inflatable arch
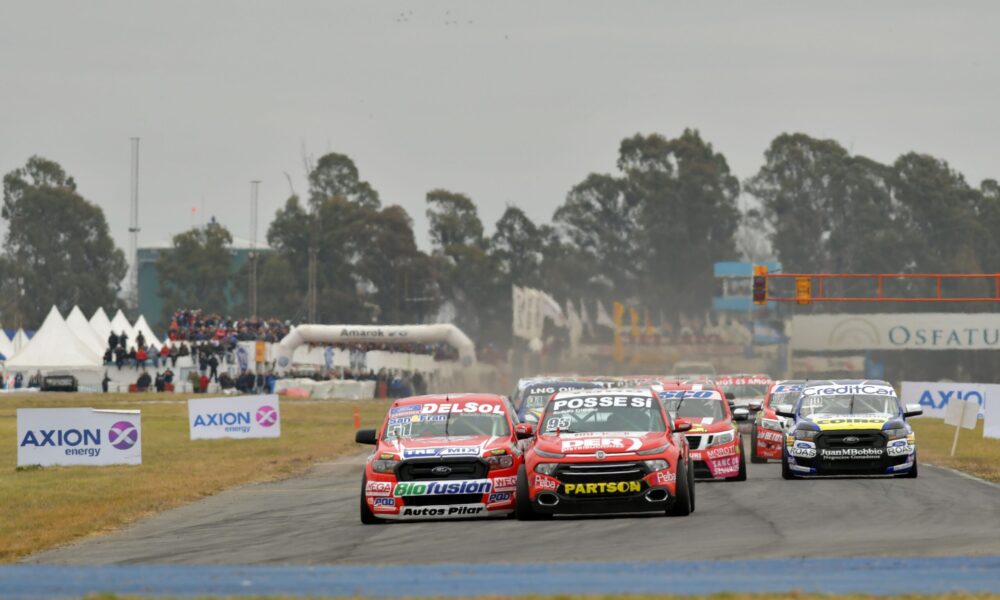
x: 380, y: 334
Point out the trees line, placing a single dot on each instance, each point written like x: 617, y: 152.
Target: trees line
x: 646, y: 233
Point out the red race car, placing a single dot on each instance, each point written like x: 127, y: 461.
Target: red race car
x: 768, y: 432
x: 442, y: 457
x: 714, y: 439
x: 605, y: 451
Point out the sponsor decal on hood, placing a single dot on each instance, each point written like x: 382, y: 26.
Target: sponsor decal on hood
x: 840, y: 422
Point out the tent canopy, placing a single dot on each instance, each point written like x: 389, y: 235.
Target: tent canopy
x: 147, y: 332
x: 6, y: 346
x: 101, y: 325
x: 119, y: 324
x: 79, y: 325
x: 54, y: 346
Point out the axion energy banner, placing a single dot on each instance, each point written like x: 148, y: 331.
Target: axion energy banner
x: 933, y: 397
x: 78, y: 436
x: 234, y: 417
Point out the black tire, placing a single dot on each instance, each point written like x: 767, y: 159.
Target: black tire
x: 753, y: 447
x: 682, y: 502
x: 691, y: 486
x: 742, y: 474
x: 786, y: 473
x: 367, y: 516
x: 913, y: 472
x: 522, y: 499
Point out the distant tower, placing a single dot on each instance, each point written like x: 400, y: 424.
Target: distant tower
x: 133, y: 231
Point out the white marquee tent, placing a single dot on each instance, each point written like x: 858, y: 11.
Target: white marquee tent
x: 80, y: 327
x: 55, y: 346
x: 20, y: 340
x: 6, y: 346
x: 101, y: 325
x: 147, y: 332
x: 119, y: 324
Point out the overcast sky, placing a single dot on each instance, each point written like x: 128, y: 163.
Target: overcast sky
x: 508, y: 102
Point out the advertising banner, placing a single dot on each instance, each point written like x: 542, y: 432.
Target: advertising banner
x: 234, y: 417
x: 904, y: 331
x: 991, y: 416
x: 78, y: 436
x: 933, y: 397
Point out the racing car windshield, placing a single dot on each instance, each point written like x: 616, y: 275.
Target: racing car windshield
x: 857, y: 404
x: 745, y: 390
x: 696, y: 408
x: 444, y: 420
x: 598, y: 414
x: 784, y: 398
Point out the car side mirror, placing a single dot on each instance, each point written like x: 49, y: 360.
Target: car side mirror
x: 755, y: 405
x: 913, y: 410
x: 682, y: 426
x: 366, y: 436
x: 785, y: 410
x: 741, y: 414
x: 730, y: 396
x: 524, y: 431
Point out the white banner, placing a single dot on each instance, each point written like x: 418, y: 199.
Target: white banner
x: 906, y: 331
x: 991, y: 415
x: 234, y: 417
x: 933, y: 397
x: 78, y: 436
x: 529, y: 320
x: 962, y: 412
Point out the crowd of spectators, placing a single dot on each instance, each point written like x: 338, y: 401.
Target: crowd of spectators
x: 194, y: 325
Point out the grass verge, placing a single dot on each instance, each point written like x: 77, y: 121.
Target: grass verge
x: 44, y: 507
x: 976, y: 455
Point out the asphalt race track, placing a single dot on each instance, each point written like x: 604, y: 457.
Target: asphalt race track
x: 313, y: 519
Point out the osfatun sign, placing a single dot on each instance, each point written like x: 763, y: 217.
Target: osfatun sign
x: 907, y: 331
x: 234, y: 417
x: 78, y: 436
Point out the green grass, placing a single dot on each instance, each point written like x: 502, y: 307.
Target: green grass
x: 43, y: 507
x: 976, y: 455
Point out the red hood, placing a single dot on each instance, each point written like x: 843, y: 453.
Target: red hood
x: 707, y: 425
x: 615, y: 442
x: 471, y: 445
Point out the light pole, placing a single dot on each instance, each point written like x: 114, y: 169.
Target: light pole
x: 253, y: 248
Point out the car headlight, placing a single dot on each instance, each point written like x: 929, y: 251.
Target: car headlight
x: 657, y: 450
x: 546, y: 468
x: 771, y: 424
x: 805, y: 434
x: 656, y: 465
x: 545, y: 454
x: 722, y: 438
x: 384, y: 465
x: 499, y: 461
x: 894, y: 434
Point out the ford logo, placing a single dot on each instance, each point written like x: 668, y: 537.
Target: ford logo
x: 600, y: 455
x: 851, y: 439
x: 442, y: 470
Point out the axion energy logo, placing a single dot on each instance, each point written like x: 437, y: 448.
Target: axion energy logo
x: 267, y: 416
x: 234, y: 417
x: 78, y: 436
x: 123, y: 435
